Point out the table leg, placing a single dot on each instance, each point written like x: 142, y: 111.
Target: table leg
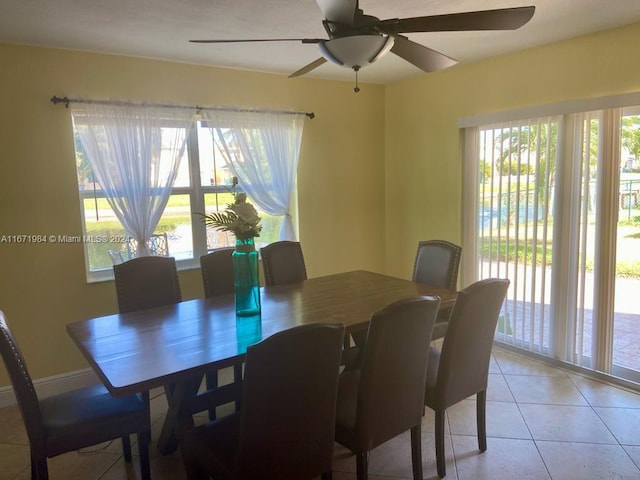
x: 179, y: 417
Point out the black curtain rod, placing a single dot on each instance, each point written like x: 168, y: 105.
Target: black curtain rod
x: 66, y: 101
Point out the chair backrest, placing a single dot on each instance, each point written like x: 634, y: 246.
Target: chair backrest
x: 283, y: 262
x: 393, y: 370
x: 287, y: 419
x: 22, y: 387
x: 466, y: 349
x: 217, y: 271
x: 146, y: 282
x: 437, y: 263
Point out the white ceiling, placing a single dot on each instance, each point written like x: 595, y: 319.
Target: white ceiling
x: 161, y: 29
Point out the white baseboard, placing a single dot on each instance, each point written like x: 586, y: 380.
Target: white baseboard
x: 48, y: 386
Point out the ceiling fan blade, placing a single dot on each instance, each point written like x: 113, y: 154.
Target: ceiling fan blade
x: 500, y: 19
x: 245, y: 40
x: 307, y: 68
x: 338, y: 11
x: 424, y: 58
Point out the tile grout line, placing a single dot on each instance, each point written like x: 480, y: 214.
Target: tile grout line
x: 535, y: 444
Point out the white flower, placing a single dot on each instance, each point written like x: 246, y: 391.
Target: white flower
x: 241, y: 218
x: 246, y: 212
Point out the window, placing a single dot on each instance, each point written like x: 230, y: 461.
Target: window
x: 552, y: 203
x: 201, y: 185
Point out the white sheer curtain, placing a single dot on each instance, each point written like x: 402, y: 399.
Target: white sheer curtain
x: 262, y: 150
x: 135, y: 152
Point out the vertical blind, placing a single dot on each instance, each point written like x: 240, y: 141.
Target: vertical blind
x: 536, y: 217
x: 514, y: 209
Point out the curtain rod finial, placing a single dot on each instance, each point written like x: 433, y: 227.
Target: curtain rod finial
x: 56, y: 100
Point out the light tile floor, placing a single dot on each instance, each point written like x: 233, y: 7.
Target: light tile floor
x: 542, y: 423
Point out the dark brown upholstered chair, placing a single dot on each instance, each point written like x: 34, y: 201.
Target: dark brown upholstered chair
x: 385, y: 396
x: 437, y: 264
x: 217, y: 271
x: 75, y: 419
x: 286, y: 426
x: 146, y: 282
x: 461, y: 369
x: 217, y: 279
x: 283, y: 262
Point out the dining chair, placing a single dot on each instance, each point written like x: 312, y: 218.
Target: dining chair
x: 146, y: 282
x: 217, y: 279
x: 282, y: 263
x: 72, y: 420
x: 384, y: 397
x: 461, y: 368
x: 285, y: 428
x: 437, y: 264
x: 217, y: 271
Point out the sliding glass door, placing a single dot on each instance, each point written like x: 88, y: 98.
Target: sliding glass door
x: 626, y: 336
x: 556, y: 208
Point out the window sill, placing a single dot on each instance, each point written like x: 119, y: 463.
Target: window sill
x: 106, y: 274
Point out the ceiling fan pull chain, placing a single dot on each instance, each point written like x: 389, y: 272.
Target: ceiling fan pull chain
x: 355, y: 69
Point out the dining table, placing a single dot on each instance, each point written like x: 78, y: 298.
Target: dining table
x: 175, y: 345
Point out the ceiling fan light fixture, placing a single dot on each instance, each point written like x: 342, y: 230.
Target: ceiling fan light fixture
x: 356, y: 50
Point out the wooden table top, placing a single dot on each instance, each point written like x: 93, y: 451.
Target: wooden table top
x: 137, y: 351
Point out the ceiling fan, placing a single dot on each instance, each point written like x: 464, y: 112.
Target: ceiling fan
x: 356, y: 39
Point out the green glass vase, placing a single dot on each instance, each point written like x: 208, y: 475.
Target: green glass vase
x: 248, y: 332
x: 246, y: 278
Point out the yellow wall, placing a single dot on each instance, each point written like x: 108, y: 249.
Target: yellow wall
x: 423, y: 158
x: 43, y: 286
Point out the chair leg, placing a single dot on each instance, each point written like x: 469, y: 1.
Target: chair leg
x: 192, y: 467
x: 126, y: 448
x: 143, y: 451
x: 481, y: 414
x: 416, y: 452
x: 39, y: 470
x: 440, y: 458
x: 362, y: 466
